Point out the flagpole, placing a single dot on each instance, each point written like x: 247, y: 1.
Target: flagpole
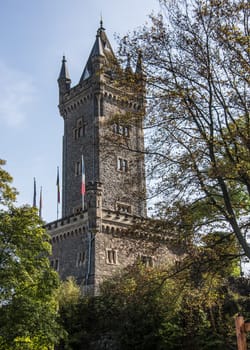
x: 57, y: 211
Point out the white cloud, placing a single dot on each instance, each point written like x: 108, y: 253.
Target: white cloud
x: 17, y: 95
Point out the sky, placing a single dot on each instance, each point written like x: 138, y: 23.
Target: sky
x: 34, y: 37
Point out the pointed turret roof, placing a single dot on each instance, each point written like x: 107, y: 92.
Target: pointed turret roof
x: 128, y: 67
x: 101, y: 48
x: 64, y: 73
x: 139, y: 67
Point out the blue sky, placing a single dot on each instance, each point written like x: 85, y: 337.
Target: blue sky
x: 34, y: 36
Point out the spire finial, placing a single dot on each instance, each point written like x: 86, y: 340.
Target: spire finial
x: 64, y: 74
x: 101, y: 24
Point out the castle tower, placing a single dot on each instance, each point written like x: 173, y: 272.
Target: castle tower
x: 96, y: 115
x: 103, y: 123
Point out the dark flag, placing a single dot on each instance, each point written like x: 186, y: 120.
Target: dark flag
x: 40, y: 203
x: 58, y: 186
x: 34, y: 194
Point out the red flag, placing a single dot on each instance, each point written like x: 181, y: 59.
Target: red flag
x: 83, y: 189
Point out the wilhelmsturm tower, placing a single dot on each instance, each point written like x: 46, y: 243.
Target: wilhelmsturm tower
x: 103, y: 124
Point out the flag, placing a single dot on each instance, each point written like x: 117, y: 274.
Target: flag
x: 83, y: 187
x: 40, y: 203
x: 58, y: 186
x: 34, y: 194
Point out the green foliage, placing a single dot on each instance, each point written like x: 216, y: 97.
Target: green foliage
x: 7, y: 193
x: 68, y: 298
x: 69, y: 293
x: 28, y: 306
x: 141, y: 299
x: 188, y: 305
x: 151, y: 308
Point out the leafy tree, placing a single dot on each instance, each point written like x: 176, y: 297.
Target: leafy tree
x: 151, y: 308
x: 28, y: 307
x: 179, y: 306
x: 7, y: 193
x: 187, y: 305
x: 69, y: 297
x: 69, y: 293
x: 196, y: 63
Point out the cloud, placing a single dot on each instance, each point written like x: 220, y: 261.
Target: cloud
x: 17, y: 95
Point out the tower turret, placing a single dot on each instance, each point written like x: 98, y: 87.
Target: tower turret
x: 100, y: 55
x: 63, y: 80
x: 139, y: 68
x: 128, y: 67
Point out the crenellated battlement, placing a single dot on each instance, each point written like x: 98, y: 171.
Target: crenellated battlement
x: 112, y: 223
x: 71, y: 100
x: 67, y: 222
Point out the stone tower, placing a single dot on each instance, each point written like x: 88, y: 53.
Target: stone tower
x: 95, y: 113
x: 103, y: 124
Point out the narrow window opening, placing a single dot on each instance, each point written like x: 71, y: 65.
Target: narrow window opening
x: 77, y: 168
x: 147, y: 260
x: 111, y: 256
x: 120, y: 129
x: 56, y: 265
x: 122, y: 165
x: 80, y: 259
x: 124, y: 208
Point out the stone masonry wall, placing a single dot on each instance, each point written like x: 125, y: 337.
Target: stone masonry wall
x: 125, y: 187
x: 92, y: 255
x: 69, y: 239
x: 93, y: 106
x: 74, y: 147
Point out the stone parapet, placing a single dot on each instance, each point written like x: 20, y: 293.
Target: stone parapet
x: 68, y: 222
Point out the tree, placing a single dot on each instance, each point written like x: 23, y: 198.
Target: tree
x: 196, y: 60
x: 28, y: 307
x: 7, y: 193
x: 189, y: 304
x: 69, y: 298
x: 152, y: 308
